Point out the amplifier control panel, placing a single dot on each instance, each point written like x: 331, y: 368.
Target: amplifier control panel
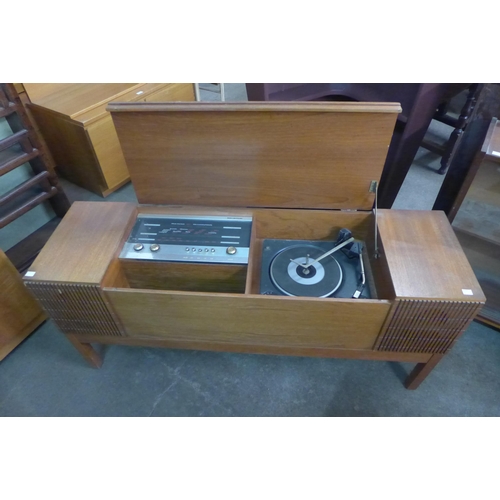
x: 217, y: 239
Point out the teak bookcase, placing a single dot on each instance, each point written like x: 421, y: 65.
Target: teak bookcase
x: 302, y: 171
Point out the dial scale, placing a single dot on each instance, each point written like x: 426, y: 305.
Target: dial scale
x: 210, y: 239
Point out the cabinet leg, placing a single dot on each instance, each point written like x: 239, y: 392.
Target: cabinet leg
x: 87, y: 351
x: 418, y: 374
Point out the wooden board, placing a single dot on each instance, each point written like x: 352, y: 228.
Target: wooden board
x: 294, y: 155
x: 20, y: 313
x: 249, y: 319
x: 172, y: 92
x: 82, y: 246
x: 77, y: 163
x: 102, y: 135
x: 424, y: 257
x: 257, y: 349
x: 71, y: 99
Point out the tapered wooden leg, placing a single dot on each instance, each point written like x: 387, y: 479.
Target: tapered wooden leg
x: 418, y: 374
x: 87, y: 351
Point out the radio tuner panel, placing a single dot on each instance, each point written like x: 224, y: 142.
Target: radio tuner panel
x: 202, y: 239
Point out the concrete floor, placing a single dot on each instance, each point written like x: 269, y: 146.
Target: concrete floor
x: 45, y: 376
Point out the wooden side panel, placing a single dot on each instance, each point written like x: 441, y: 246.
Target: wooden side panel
x: 426, y: 326
x: 254, y: 319
x: 20, y: 313
x: 84, y: 243
x: 424, y: 257
x: 76, y: 309
x: 291, y: 155
x: 77, y: 163
x: 107, y: 149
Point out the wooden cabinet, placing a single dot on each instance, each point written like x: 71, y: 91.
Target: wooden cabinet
x: 80, y: 132
x: 476, y: 221
x: 20, y: 313
x: 300, y: 171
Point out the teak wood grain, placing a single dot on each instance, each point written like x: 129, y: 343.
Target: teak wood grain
x: 172, y: 92
x: 261, y: 349
x: 80, y: 133
x: 71, y: 99
x: 249, y: 319
x: 288, y: 166
x: 312, y: 155
x: 102, y: 135
x: 20, y: 313
x: 84, y: 243
x: 184, y: 276
x: 424, y: 257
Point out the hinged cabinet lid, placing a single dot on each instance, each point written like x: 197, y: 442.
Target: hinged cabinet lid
x: 286, y: 155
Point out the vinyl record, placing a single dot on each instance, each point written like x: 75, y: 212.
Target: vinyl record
x: 320, y: 279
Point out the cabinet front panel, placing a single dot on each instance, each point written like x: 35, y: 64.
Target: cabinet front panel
x: 249, y: 319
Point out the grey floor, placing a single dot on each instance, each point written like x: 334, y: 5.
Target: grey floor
x: 45, y: 376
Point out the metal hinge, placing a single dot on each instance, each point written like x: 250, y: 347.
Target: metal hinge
x: 374, y: 189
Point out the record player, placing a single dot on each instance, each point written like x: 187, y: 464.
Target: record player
x: 257, y: 231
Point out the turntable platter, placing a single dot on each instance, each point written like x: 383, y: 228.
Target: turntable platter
x: 290, y: 275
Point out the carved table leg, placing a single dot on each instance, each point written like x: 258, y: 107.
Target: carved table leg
x: 87, y: 351
x: 420, y: 372
x: 461, y: 123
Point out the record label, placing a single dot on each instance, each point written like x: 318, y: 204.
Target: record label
x: 294, y: 272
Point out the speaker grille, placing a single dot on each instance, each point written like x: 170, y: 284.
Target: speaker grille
x: 426, y: 326
x: 75, y: 308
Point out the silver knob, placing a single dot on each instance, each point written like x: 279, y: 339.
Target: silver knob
x: 138, y: 247
x: 154, y: 247
x: 231, y: 250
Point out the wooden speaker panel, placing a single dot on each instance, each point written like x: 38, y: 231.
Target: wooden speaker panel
x: 76, y: 308
x: 426, y: 326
